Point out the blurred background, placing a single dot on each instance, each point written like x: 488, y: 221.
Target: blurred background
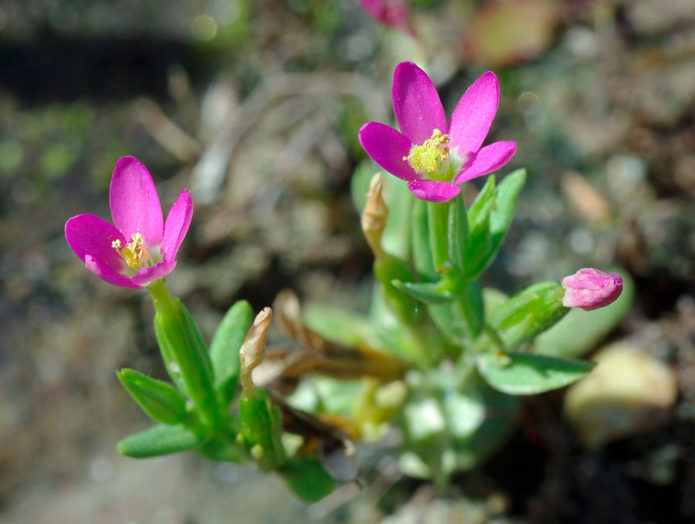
x: 254, y: 106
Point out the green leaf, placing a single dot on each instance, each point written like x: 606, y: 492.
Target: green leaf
x: 428, y: 292
x: 338, y: 325
x: 158, y: 440
x: 307, y: 478
x: 480, y: 206
x: 490, y: 220
x: 505, y: 204
x: 224, y: 349
x: 158, y: 399
x: 528, y: 374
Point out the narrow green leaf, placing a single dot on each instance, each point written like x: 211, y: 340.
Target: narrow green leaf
x: 501, y: 216
x: 478, y: 209
x: 490, y: 221
x: 157, y: 440
x: 156, y: 398
x: 428, y: 292
x: 224, y: 349
x: 529, y: 374
x: 307, y: 478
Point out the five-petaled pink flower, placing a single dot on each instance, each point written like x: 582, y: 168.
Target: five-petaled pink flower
x: 591, y: 288
x: 432, y: 155
x: 140, y: 247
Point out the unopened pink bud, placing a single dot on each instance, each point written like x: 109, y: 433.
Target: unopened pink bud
x: 590, y: 289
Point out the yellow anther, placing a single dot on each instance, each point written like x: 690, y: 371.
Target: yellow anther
x: 426, y: 157
x: 134, y: 252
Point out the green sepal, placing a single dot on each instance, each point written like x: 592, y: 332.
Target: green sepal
x: 428, y: 292
x: 529, y: 374
x: 261, y: 428
x: 528, y: 313
x: 224, y: 349
x: 182, y: 342
x: 158, y: 440
x: 307, y: 478
x: 158, y: 399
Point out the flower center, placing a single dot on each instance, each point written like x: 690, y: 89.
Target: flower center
x: 426, y: 158
x: 134, y: 252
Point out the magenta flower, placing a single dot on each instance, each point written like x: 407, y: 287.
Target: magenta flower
x: 433, y: 156
x: 590, y: 289
x: 392, y: 13
x: 141, y: 247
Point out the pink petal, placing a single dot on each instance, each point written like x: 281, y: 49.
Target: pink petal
x: 148, y: 274
x: 474, y: 114
x: 433, y: 190
x: 89, y: 235
x: 487, y: 160
x: 416, y: 103
x: 590, y: 288
x: 176, y: 226
x: 387, y: 147
x: 134, y: 203
x: 107, y: 274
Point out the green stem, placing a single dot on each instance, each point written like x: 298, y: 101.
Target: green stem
x: 438, y: 219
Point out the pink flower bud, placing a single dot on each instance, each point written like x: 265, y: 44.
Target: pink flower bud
x: 590, y: 289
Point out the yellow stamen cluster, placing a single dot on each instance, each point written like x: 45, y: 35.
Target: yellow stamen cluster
x: 426, y: 157
x: 134, y: 252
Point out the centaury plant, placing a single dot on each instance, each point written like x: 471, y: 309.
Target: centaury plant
x: 439, y: 359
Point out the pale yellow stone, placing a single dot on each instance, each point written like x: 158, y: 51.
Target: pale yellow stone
x: 628, y: 392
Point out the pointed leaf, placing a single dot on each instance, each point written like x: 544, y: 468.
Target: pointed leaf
x: 307, y: 478
x: 158, y: 440
x: 156, y: 398
x: 529, y: 374
x: 428, y: 292
x: 224, y: 348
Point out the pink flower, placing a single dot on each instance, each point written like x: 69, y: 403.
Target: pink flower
x: 388, y: 12
x: 140, y: 247
x: 433, y: 156
x: 590, y: 289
